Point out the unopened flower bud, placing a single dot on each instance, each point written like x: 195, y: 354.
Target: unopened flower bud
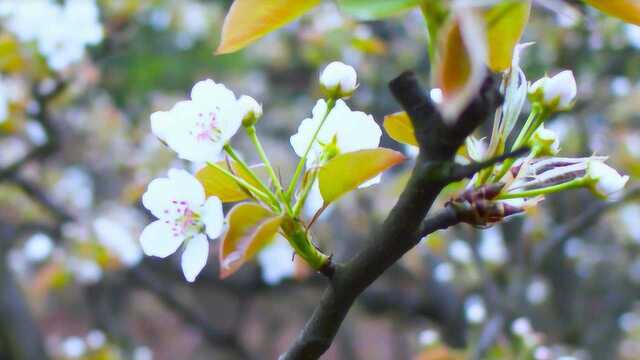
x: 251, y: 110
x: 557, y: 93
x: 338, y: 80
x: 605, y: 181
x: 544, y: 142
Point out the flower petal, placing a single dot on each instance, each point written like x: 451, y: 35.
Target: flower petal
x: 157, y: 239
x: 194, y: 257
x: 212, y: 216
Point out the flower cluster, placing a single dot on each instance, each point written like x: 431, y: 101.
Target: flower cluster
x: 189, y: 208
x: 514, y: 185
x: 61, y: 32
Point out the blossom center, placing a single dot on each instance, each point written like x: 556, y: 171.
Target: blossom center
x: 207, y: 127
x: 184, y: 221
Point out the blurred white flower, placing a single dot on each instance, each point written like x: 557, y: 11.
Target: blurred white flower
x: 444, y: 272
x: 74, y: 347
x: 38, y: 247
x: 558, y: 93
x: 428, y: 337
x: 606, y: 182
x: 492, y: 248
x: 142, y: 353
x: 198, y: 129
x: 537, y: 292
x: 276, y: 261
x: 460, y: 251
x: 633, y: 35
x: 75, y: 188
x: 184, y: 215
x: 95, y: 339
x: 339, y: 80
x: 118, y: 240
x: 521, y: 327
x: 436, y: 95
x: 475, y: 310
x: 85, y: 271
x: 4, y: 103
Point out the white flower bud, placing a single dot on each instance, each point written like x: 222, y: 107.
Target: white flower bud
x: 251, y: 110
x: 606, y: 181
x: 339, y: 80
x: 557, y: 93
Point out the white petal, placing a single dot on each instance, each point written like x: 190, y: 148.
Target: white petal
x: 212, y: 217
x: 194, y: 257
x: 190, y: 189
x: 158, y: 240
x: 307, y: 128
x: 163, y: 194
x: 161, y: 124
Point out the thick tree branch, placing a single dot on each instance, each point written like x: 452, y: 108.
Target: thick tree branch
x: 404, y: 227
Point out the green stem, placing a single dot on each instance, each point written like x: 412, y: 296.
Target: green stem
x: 573, y: 184
x: 299, y: 240
x: 435, y: 14
x: 242, y: 182
x: 251, y: 132
x: 272, y: 200
x: 296, y: 175
x: 297, y: 208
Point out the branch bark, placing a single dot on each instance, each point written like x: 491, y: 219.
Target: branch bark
x: 404, y: 226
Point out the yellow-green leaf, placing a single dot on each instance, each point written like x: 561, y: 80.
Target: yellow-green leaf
x: 217, y: 183
x: 627, y: 10
x: 347, y: 171
x: 399, y: 127
x: 249, y: 20
x: 250, y: 228
x: 505, y: 24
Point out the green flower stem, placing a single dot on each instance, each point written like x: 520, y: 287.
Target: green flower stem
x: 242, y: 182
x: 299, y: 239
x: 573, y: 184
x: 435, y: 14
x: 297, y: 208
x: 535, y: 119
x: 251, y: 132
x: 331, y: 102
x: 271, y: 198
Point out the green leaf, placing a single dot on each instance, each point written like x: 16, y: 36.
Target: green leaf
x: 399, y: 127
x: 249, y: 20
x: 375, y: 9
x: 217, y: 183
x: 347, y: 171
x: 505, y: 24
x: 250, y: 228
x: 626, y: 10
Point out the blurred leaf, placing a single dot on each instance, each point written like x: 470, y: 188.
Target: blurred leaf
x: 250, y: 227
x: 249, y: 20
x: 217, y: 183
x: 370, y: 46
x: 627, y: 10
x: 347, y: 171
x: 10, y: 59
x: 505, y: 24
x: 376, y: 9
x: 399, y: 127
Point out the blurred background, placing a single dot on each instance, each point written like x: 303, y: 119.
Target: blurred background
x: 76, y: 154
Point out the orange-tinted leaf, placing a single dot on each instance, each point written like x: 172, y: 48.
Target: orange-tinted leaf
x: 217, y: 183
x: 399, y: 127
x: 461, y: 64
x: 627, y: 10
x: 249, y: 20
x: 347, y: 171
x: 505, y: 24
x: 250, y: 228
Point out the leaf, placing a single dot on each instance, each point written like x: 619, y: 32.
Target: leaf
x: 399, y: 127
x: 461, y: 65
x: 250, y: 228
x: 626, y: 10
x: 371, y: 10
x: 347, y: 171
x: 505, y: 24
x: 249, y: 20
x: 217, y: 183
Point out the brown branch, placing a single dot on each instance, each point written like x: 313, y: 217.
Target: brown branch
x: 404, y: 227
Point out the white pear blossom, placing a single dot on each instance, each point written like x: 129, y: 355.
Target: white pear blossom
x: 339, y: 79
x: 346, y: 130
x: 606, y: 182
x: 198, y: 129
x: 38, y: 247
x: 557, y: 93
x: 251, y: 110
x: 184, y: 216
x: 118, y: 240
